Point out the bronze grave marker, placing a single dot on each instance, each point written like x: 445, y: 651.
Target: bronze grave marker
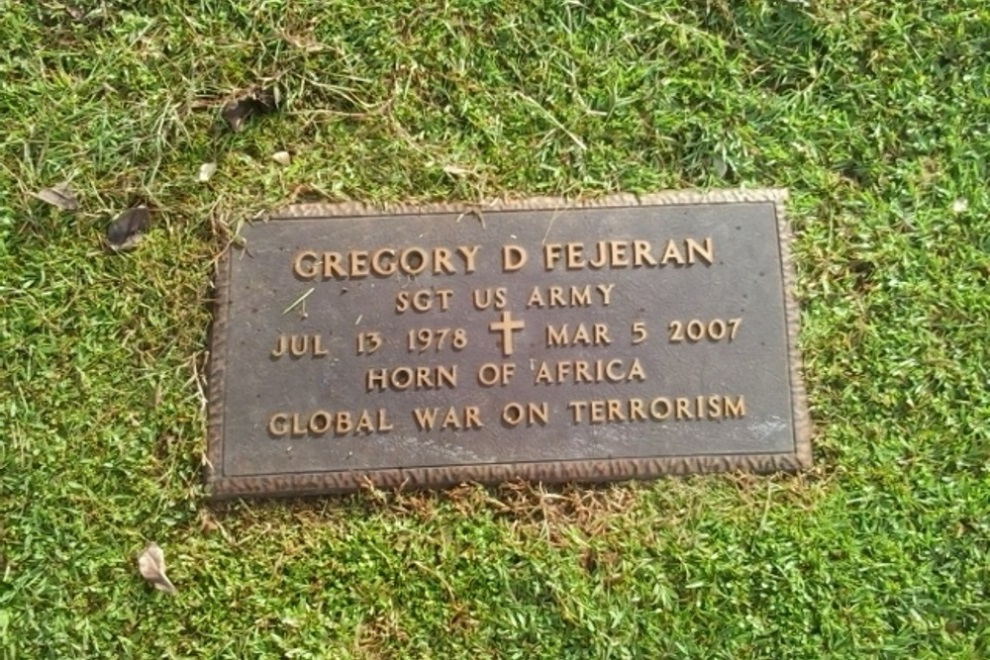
x: 553, y: 341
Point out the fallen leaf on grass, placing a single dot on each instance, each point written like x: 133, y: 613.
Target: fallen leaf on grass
x: 125, y: 232
x: 60, y: 196
x: 151, y: 564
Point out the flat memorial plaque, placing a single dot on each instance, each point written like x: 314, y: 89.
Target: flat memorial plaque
x: 538, y: 339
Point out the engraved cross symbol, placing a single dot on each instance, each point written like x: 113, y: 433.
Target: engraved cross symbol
x: 506, y: 326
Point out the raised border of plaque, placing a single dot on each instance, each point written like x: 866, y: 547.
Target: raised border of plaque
x: 604, y: 469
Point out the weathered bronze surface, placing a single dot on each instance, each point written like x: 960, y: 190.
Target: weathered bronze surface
x: 553, y: 341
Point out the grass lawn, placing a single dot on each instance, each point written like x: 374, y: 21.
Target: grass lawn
x: 875, y: 115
